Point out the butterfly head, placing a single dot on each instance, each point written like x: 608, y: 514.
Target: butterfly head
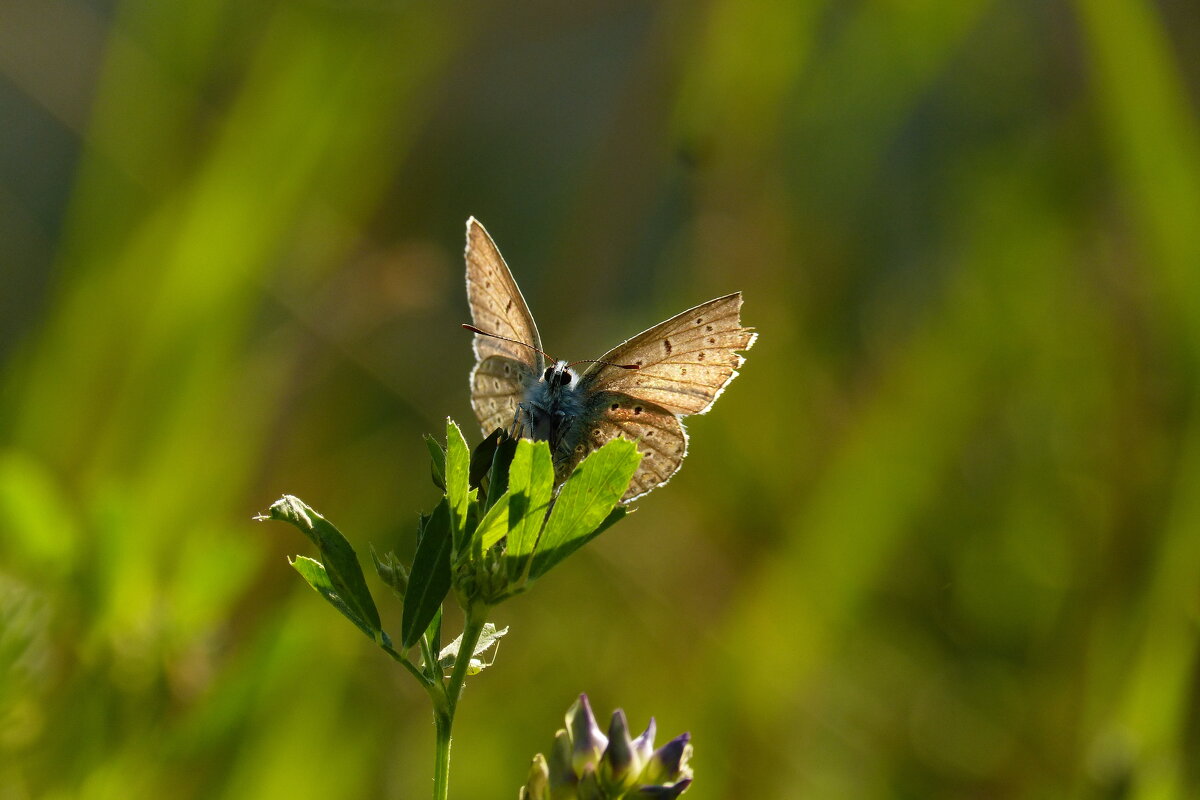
x: 559, y: 375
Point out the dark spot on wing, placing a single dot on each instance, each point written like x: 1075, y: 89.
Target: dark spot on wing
x: 509, y: 308
x: 667, y: 346
x: 614, y: 407
x: 700, y: 357
x: 706, y: 327
x: 637, y: 409
x: 699, y: 320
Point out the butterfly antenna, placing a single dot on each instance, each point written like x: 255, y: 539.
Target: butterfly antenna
x: 606, y: 363
x: 473, y: 329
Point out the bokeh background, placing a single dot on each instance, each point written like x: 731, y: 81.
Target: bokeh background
x: 941, y: 539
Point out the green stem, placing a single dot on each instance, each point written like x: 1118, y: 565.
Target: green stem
x: 443, y: 721
x: 472, y: 627
x: 423, y: 679
x: 444, y: 705
x: 433, y: 672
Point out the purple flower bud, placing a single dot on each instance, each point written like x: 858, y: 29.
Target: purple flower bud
x: 620, y: 764
x: 644, y: 744
x: 660, y: 792
x: 669, y: 762
x: 587, y: 765
x: 588, y: 742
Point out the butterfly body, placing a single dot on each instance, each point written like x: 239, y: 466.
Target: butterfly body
x: 638, y: 390
x: 551, y: 406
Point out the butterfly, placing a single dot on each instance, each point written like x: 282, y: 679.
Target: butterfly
x: 639, y: 390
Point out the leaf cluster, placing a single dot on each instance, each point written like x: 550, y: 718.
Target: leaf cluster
x: 500, y: 525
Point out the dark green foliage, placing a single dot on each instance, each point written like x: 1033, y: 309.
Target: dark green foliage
x: 429, y: 580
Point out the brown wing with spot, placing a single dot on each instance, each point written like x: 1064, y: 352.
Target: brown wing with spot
x: 659, y: 433
x: 496, y: 303
x: 685, y: 363
x: 498, y: 384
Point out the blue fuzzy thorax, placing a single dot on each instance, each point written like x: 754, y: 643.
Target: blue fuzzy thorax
x: 554, y: 406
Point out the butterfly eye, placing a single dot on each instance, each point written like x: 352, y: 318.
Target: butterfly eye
x: 565, y: 378
x: 549, y: 374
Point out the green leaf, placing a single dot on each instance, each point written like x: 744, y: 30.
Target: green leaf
x: 481, y: 458
x: 498, y: 479
x: 437, y: 459
x: 430, y: 578
x: 433, y: 634
x: 340, y: 562
x: 585, y: 502
x: 314, y: 572
x: 474, y: 512
x: 487, y: 637
x: 458, y: 490
x: 494, y: 525
x: 530, y: 487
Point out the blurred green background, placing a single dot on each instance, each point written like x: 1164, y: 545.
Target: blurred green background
x: 941, y: 539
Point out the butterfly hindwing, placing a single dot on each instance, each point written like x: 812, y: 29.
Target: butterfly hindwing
x: 684, y: 363
x: 498, y: 384
x: 659, y: 433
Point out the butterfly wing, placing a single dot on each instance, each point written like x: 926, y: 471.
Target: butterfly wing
x: 498, y: 384
x: 684, y: 365
x: 662, y: 439
x: 503, y: 370
x: 496, y: 303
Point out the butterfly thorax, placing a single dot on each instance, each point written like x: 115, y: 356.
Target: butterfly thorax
x: 553, y: 405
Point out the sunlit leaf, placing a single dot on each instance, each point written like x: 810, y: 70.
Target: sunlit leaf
x: 458, y: 491
x: 585, y: 502
x: 314, y: 573
x: 437, y: 462
x: 494, y: 525
x: 530, y: 487
x: 337, y: 556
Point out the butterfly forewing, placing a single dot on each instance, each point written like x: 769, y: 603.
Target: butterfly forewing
x: 684, y: 363
x: 497, y: 305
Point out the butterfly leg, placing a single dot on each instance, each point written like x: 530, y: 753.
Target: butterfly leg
x: 522, y: 422
x: 559, y: 431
